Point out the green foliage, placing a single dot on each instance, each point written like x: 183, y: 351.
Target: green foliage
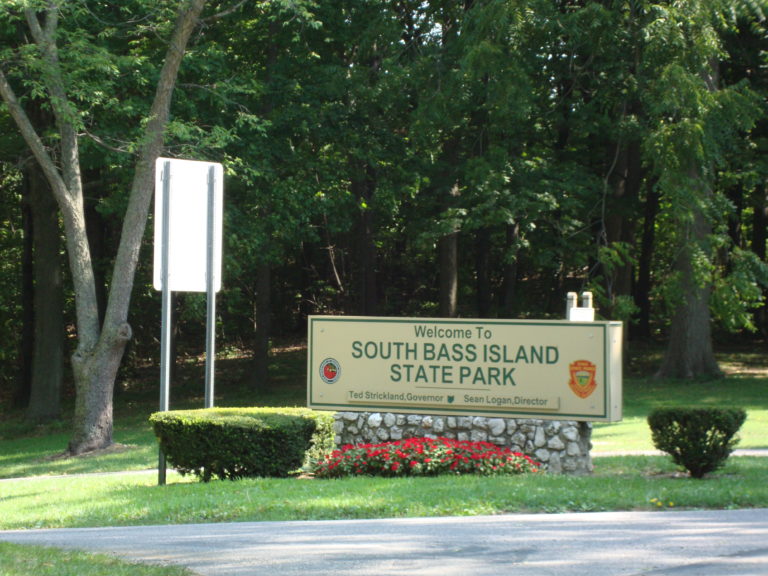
x: 323, y: 440
x: 738, y: 293
x: 699, y: 439
x: 10, y: 274
x: 343, y: 126
x: 239, y: 442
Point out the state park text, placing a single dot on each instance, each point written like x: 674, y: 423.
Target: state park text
x: 475, y: 363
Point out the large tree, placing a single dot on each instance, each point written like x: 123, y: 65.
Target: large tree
x: 47, y: 300
x: 697, y: 119
x: 100, y: 344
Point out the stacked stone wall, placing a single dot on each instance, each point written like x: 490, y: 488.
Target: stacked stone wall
x: 561, y: 446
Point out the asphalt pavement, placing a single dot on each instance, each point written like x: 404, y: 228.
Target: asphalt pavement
x: 669, y: 543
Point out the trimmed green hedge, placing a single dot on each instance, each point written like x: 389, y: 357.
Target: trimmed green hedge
x: 698, y: 439
x: 235, y: 443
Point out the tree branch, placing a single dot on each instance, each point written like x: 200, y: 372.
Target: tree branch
x: 66, y: 117
x: 70, y: 194
x: 224, y: 13
x: 32, y: 139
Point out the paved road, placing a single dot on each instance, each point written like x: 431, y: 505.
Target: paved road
x: 668, y: 543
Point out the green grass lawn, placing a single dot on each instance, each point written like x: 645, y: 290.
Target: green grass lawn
x: 56, y: 498
x: 35, y: 452
x: 641, y: 395
x: 18, y: 560
x: 57, y: 495
x: 618, y: 483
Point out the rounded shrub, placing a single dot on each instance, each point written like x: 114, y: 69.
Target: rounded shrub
x: 698, y: 439
x: 235, y: 443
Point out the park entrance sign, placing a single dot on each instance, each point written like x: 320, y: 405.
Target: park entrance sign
x: 542, y: 369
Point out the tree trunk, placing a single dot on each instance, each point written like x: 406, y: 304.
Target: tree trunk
x: 645, y: 263
x: 94, y: 386
x: 263, y: 327
x: 368, y: 284
x: 48, y: 357
x: 23, y: 391
x: 689, y: 352
x: 624, y: 182
x: 262, y: 313
x: 483, y: 272
x: 363, y: 187
x: 759, y: 229
x: 97, y: 237
x: 448, y: 257
x: 449, y: 275
x: 619, y: 223
x: 760, y: 221
x: 510, y: 269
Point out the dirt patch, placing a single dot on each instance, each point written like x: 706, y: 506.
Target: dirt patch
x: 744, y: 369
x: 673, y: 475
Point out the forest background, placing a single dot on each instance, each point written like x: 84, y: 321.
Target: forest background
x: 475, y: 158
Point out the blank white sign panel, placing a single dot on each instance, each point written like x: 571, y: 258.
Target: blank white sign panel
x: 188, y: 224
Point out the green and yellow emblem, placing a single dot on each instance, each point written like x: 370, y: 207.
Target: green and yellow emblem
x: 582, y: 380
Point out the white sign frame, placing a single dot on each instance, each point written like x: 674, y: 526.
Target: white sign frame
x: 188, y: 221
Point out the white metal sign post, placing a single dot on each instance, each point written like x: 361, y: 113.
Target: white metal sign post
x: 210, y: 288
x: 188, y: 201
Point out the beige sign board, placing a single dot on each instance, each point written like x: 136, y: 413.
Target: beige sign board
x: 503, y: 368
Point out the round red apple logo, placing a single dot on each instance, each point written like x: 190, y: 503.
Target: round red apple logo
x: 330, y: 370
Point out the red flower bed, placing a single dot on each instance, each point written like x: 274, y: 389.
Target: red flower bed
x: 423, y: 457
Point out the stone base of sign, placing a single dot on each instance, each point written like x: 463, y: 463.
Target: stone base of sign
x: 561, y: 446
